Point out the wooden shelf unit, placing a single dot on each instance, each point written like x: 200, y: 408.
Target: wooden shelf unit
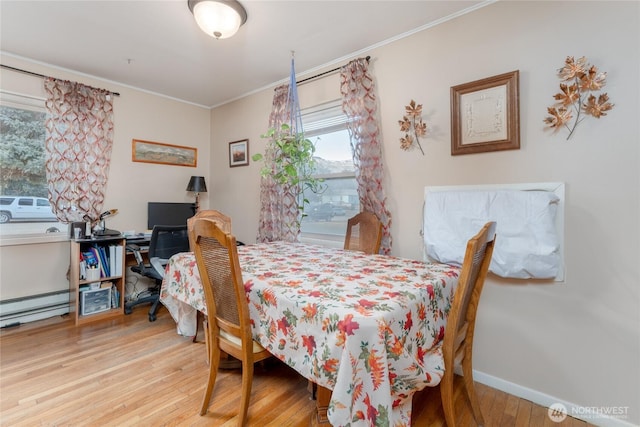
x: 77, y: 247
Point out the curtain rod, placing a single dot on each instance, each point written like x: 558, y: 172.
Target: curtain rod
x: 324, y: 74
x: 31, y: 73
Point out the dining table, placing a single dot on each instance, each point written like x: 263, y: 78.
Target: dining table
x: 367, y: 329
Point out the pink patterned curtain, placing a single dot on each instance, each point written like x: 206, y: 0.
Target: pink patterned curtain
x: 79, y: 137
x: 278, y: 206
x: 360, y: 106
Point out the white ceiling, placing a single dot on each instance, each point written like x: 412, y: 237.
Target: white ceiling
x: 157, y: 46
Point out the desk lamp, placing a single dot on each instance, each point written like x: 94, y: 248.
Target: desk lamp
x: 197, y: 185
x: 102, y: 230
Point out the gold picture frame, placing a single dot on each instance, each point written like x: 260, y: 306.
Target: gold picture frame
x: 239, y: 153
x: 165, y: 154
x: 485, y: 115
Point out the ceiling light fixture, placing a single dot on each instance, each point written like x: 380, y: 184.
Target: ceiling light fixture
x: 218, y: 18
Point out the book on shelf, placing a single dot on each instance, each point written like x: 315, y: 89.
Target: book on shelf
x: 115, y: 260
x: 92, y: 256
x: 104, y: 262
x: 112, y: 260
x: 89, y: 258
x: 119, y: 259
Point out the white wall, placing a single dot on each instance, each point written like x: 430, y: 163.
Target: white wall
x: 578, y: 341
x: 138, y: 115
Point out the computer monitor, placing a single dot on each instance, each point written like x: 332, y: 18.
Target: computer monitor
x: 164, y: 213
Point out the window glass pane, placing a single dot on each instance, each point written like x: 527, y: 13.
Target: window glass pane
x: 327, y: 213
x: 333, y: 153
x: 22, y: 168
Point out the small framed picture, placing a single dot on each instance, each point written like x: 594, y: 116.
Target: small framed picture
x: 239, y: 153
x: 485, y: 115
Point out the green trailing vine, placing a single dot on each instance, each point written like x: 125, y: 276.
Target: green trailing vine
x: 293, y: 163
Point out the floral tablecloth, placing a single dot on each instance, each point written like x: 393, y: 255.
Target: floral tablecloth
x: 367, y: 327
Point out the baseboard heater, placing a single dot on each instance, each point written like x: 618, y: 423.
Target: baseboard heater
x: 37, y: 307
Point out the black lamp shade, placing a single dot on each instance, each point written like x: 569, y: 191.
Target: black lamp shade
x: 197, y: 184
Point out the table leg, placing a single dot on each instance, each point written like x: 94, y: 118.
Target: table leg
x: 199, y: 315
x: 319, y: 417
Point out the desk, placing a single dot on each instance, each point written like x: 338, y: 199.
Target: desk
x: 364, y: 326
x: 143, y: 244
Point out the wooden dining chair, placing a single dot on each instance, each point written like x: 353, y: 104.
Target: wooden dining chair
x: 457, y: 347
x: 224, y: 222
x: 229, y: 328
x: 364, y: 233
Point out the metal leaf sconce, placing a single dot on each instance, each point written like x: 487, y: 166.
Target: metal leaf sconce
x: 579, y: 82
x: 413, y: 126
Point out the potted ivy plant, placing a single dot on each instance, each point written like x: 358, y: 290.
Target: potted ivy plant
x: 289, y: 161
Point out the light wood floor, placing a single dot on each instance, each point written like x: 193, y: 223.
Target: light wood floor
x: 130, y: 372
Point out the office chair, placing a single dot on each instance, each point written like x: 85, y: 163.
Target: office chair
x: 229, y: 328
x: 166, y: 241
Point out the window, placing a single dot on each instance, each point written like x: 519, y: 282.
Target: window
x: 24, y: 207
x: 327, y: 213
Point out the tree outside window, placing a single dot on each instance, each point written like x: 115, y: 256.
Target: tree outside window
x: 22, y: 167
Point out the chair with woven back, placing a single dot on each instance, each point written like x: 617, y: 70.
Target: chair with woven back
x: 224, y: 222
x: 229, y: 327
x: 457, y: 345
x: 364, y: 233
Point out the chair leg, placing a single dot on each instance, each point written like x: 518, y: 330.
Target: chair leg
x: 198, y: 316
x: 470, y: 388
x: 153, y: 311
x: 446, y: 395
x: 207, y: 343
x: 247, y: 380
x: 213, y: 357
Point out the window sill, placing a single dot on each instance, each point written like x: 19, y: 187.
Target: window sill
x: 31, y: 239
x: 329, y: 240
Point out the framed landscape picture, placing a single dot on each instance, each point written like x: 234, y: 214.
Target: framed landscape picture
x: 166, y: 154
x: 239, y: 153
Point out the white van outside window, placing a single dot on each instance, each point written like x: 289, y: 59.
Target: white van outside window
x: 24, y: 206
